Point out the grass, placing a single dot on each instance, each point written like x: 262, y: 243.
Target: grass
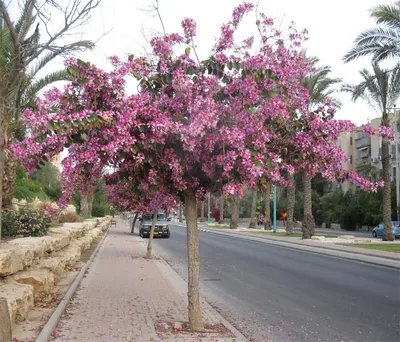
x: 394, y: 248
x: 283, y: 234
x: 83, y: 218
x: 222, y: 226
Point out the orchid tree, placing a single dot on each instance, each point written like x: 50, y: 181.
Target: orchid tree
x: 125, y: 195
x: 194, y: 126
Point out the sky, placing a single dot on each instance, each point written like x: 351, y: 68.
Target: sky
x: 332, y: 26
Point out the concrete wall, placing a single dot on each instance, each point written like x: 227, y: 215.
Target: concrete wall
x: 29, y: 267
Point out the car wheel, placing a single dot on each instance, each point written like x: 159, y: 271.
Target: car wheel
x: 141, y: 234
x: 374, y: 234
x: 168, y: 235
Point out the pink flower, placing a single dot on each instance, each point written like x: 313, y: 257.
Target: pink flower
x: 189, y: 28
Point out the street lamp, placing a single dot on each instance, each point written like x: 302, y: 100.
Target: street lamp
x: 274, y: 208
x: 208, y: 209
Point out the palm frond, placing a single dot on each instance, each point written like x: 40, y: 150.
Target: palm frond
x: 388, y: 15
x: 32, y: 91
x: 26, y: 20
x: 380, y: 42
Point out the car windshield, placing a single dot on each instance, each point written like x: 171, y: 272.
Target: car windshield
x: 149, y: 217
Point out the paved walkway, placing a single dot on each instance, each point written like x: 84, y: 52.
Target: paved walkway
x: 124, y: 295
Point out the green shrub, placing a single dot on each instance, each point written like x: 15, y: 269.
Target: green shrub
x: 68, y: 217
x: 8, y: 226
x: 32, y: 223
x: 99, y: 210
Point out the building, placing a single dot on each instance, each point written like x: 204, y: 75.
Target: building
x: 56, y: 161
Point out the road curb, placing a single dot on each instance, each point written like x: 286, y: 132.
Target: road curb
x: 365, y: 258
x: 51, y: 324
x: 181, y: 286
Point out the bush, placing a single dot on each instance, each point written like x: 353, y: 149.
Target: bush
x: 68, y: 217
x: 8, y: 227
x: 99, y: 210
x: 32, y: 223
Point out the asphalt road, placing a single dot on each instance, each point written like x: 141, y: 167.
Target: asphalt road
x: 331, y: 231
x: 279, y: 294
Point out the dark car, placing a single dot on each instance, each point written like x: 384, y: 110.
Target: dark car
x: 161, y: 229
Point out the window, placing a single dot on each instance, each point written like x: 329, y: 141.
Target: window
x: 394, y: 172
x: 351, y: 141
x: 351, y: 159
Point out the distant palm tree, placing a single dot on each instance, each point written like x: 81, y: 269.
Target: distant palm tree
x: 253, y: 218
x: 383, y: 41
x: 20, y: 90
x: 320, y: 87
x: 380, y: 89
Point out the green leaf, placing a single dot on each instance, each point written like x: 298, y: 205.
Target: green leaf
x: 51, y: 126
x: 84, y: 136
x: 178, y: 118
x: 187, y: 51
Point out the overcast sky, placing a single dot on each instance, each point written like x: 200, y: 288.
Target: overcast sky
x: 332, y: 26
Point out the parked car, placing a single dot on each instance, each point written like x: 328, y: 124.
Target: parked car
x: 161, y: 229
x: 378, y: 230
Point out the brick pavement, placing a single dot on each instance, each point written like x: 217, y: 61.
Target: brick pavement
x: 123, y: 295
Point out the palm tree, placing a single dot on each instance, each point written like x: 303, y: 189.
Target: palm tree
x: 380, y: 89
x: 319, y: 85
x: 383, y: 41
x: 267, y: 207
x: 221, y: 209
x: 20, y: 90
x: 234, y: 223
x: 291, y: 198
x: 253, y: 219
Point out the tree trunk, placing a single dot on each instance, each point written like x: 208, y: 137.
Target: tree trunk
x: 134, y: 223
x: 387, y: 212
x: 202, y: 212
x: 2, y: 155
x: 86, y: 204
x: 308, y: 225
x: 150, y: 243
x: 221, y: 209
x: 290, y: 205
x: 90, y: 201
x: 180, y: 212
x: 267, y: 217
x: 235, y: 213
x: 253, y: 218
x: 9, y: 178
x: 195, y: 316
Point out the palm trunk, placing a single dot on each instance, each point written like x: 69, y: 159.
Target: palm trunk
x: 86, y: 205
x: 308, y: 219
x: 267, y: 217
x: 150, y: 243
x: 253, y: 219
x: 235, y: 213
x: 134, y: 223
x: 221, y: 209
x: 195, y: 316
x: 387, y: 212
x: 2, y: 115
x: 202, y: 212
x: 180, y: 212
x: 290, y: 205
x: 9, y: 177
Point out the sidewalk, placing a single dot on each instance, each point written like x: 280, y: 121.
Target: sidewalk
x: 125, y: 297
